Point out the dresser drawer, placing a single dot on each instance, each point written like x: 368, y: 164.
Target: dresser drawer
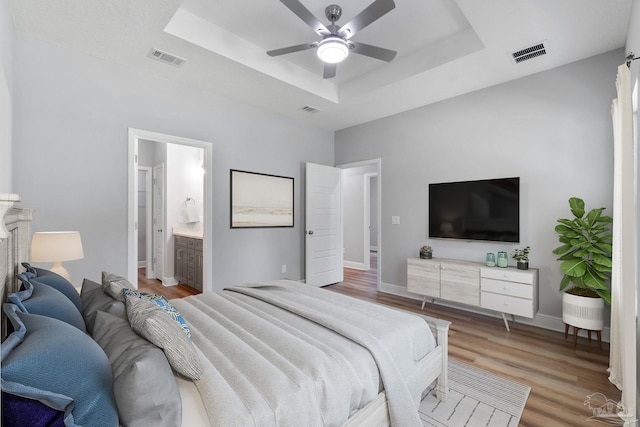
x: 507, y: 288
x: 511, y: 275
x: 507, y: 304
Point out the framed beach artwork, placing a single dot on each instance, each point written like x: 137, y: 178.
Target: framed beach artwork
x: 260, y: 200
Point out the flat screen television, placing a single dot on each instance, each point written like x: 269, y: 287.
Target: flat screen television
x: 475, y: 210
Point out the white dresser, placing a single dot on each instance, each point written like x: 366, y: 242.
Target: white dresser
x: 505, y: 290
x: 509, y: 291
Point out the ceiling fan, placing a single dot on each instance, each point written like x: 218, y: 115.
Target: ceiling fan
x: 336, y: 40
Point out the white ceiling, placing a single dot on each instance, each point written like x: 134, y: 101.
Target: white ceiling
x: 445, y: 47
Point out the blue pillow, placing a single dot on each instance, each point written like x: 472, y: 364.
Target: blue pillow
x: 56, y: 281
x: 20, y: 411
x: 37, y: 298
x: 52, y: 362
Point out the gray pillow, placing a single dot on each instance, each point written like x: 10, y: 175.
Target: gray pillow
x: 94, y: 300
x: 154, y: 324
x: 144, y: 386
x: 113, y: 285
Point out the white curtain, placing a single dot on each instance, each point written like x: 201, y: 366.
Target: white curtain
x: 622, y: 357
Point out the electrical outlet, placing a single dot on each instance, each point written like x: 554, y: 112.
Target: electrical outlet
x: 284, y: 268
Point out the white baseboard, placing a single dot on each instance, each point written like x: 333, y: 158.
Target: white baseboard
x: 169, y: 281
x: 142, y: 264
x: 543, y: 321
x: 354, y: 265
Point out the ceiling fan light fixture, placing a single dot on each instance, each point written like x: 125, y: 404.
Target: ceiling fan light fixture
x: 333, y: 50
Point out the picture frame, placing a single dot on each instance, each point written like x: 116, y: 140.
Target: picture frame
x: 260, y: 200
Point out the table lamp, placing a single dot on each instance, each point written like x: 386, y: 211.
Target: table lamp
x: 56, y: 247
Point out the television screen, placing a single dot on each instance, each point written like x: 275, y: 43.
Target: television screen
x: 476, y: 210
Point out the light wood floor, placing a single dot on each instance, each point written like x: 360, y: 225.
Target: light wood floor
x: 561, y: 377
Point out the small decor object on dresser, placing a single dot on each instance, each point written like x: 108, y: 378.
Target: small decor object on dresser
x: 491, y: 259
x: 503, y: 261
x: 522, y: 257
x: 426, y: 252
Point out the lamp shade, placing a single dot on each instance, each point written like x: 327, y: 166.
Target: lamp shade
x: 56, y: 246
x: 332, y: 50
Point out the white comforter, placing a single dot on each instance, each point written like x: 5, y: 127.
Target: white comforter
x: 283, y: 353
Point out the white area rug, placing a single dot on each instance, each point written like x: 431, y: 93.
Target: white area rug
x: 476, y: 398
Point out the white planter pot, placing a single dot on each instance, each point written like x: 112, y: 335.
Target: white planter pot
x: 583, y: 312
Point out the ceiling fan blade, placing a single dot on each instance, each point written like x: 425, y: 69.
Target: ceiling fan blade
x: 303, y: 13
x: 329, y: 71
x: 373, y: 51
x: 291, y: 49
x: 374, y: 11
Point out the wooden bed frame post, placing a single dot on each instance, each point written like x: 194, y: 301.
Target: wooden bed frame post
x: 442, y: 335
x: 14, y: 246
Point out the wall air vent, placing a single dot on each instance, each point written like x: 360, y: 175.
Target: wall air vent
x: 310, y: 109
x: 529, y: 53
x: 166, y: 57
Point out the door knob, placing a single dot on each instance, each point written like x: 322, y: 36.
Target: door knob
x: 159, y: 230
x: 310, y: 232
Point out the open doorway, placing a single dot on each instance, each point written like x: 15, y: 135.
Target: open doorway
x: 177, y: 202
x: 361, y: 211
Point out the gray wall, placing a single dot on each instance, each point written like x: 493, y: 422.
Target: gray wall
x: 6, y: 95
x: 70, y: 140
x: 552, y: 129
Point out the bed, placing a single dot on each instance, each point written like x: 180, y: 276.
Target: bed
x: 271, y: 353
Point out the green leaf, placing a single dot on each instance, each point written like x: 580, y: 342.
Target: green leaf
x: 606, y: 219
x: 602, y: 268
x: 577, y: 207
x: 563, y: 229
x: 602, y: 260
x: 578, y: 282
x: 594, y: 215
x: 607, y: 247
x: 568, y: 256
x: 605, y: 295
x: 566, y: 280
x: 593, y: 281
x: 582, y: 253
x: 574, y: 267
x: 597, y: 250
x: 564, y: 239
x: 562, y: 249
x: 582, y: 223
x: 580, y: 243
x: 567, y: 222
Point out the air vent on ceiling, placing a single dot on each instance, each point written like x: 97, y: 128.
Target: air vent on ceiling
x: 529, y: 53
x: 310, y: 109
x: 166, y: 57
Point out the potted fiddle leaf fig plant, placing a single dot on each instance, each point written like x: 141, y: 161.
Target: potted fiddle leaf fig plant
x: 585, y: 257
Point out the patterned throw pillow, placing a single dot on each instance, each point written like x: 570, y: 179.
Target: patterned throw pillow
x: 150, y: 321
x: 164, y: 304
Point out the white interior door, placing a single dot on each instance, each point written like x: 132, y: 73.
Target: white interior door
x: 158, y: 221
x: 323, y: 224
